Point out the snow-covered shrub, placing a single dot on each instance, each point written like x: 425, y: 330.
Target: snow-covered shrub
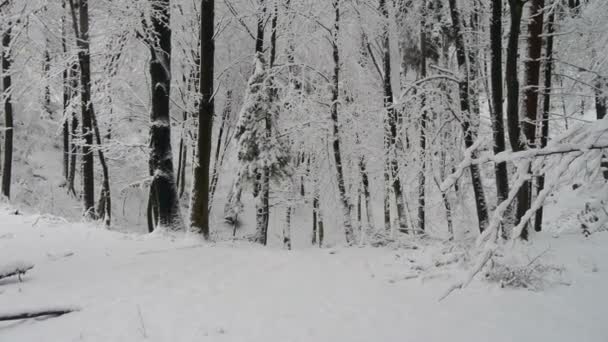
x: 533, y: 276
x: 593, y: 217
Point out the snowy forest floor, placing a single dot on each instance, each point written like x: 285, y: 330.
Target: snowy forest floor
x: 132, y: 287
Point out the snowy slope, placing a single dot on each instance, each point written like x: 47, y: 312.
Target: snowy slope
x: 151, y: 288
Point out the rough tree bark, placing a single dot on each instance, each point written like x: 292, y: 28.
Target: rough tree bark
x: 544, y: 132
x: 335, y: 92
x: 530, y: 100
x: 163, y: 188
x: 199, y: 215
x: 7, y: 62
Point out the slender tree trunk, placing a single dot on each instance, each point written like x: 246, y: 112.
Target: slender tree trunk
x: 423, y: 119
x: 498, y: 129
x: 104, y: 206
x: 317, y: 218
x: 391, y: 124
x: 287, y: 228
x: 544, y: 134
x: 180, y: 162
x: 512, y: 80
x: 73, y: 84
x: 66, y: 97
x: 81, y: 28
x: 516, y: 7
x: 183, y: 149
x: 217, y: 164
x: 366, y: 192
x: 7, y: 62
x: 335, y: 91
x: 528, y: 126
x: 469, y: 132
x: 199, y: 216
x: 46, y: 69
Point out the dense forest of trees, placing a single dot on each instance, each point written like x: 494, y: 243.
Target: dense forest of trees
x: 444, y: 113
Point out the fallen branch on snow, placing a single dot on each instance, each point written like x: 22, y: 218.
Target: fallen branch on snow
x: 36, y: 313
x: 15, y: 269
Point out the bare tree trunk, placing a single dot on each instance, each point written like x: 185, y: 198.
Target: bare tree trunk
x: 317, y: 218
x: 516, y: 7
x: 46, y: 69
x: 391, y: 124
x: 423, y: 119
x: 217, y: 164
x: 528, y: 126
x: 73, y: 84
x: 498, y: 130
x: 366, y: 192
x: 7, y: 62
x: 66, y: 97
x: 544, y: 134
x: 104, y: 206
x: 260, y: 181
x: 199, y: 215
x: 287, y: 228
x: 468, y: 130
x: 348, y: 228
x: 81, y: 29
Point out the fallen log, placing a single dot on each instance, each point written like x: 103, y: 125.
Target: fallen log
x: 35, y: 313
x: 15, y: 269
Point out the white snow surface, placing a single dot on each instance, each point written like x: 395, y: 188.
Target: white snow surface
x: 153, y: 288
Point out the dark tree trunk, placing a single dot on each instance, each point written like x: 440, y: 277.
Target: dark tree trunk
x: 199, y: 216
x: 161, y: 158
x: 365, y: 192
x: 469, y: 132
x: 104, y: 206
x: 66, y: 97
x: 516, y: 7
x: 335, y: 92
x: 181, y: 160
x: 81, y: 28
x: 392, y: 164
x: 544, y: 134
x: 601, y: 98
x: 317, y: 218
x: 601, y: 102
x: 498, y: 129
x: 423, y: 118
x: 46, y: 69
x: 7, y: 62
x: 73, y: 84
x: 287, y: 229
x: 528, y: 126
x: 218, y: 159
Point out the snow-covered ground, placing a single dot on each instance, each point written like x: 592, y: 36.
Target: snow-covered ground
x: 153, y: 288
